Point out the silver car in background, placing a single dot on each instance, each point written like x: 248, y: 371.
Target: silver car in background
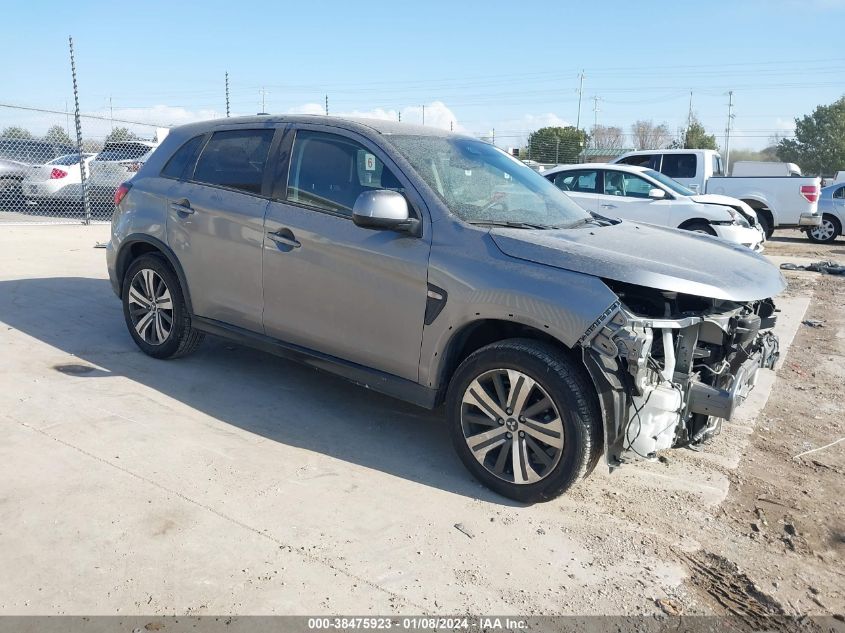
x: 436, y: 268
x: 118, y: 161
x: 832, y: 210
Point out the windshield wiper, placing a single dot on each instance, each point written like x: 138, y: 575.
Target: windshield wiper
x: 512, y: 224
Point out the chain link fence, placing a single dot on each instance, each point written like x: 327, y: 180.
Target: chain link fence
x: 47, y: 177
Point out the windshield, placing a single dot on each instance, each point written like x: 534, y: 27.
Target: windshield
x: 481, y: 184
x: 674, y: 185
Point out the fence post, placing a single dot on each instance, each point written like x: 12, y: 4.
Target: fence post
x: 86, y: 205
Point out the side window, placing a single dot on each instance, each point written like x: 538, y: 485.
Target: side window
x: 640, y: 160
x: 839, y: 193
x: 329, y: 172
x: 235, y: 159
x: 617, y: 183
x: 679, y: 165
x: 584, y: 181
x: 175, y: 167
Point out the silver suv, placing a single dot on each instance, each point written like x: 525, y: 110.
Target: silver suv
x: 437, y: 269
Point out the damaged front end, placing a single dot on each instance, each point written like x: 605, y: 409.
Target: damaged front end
x: 669, y: 367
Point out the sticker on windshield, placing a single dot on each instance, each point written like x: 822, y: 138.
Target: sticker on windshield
x: 369, y: 162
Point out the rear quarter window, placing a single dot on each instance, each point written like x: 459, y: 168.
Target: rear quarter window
x: 235, y: 159
x: 182, y: 158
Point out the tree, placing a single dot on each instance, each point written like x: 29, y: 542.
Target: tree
x: 606, y: 137
x: 696, y: 137
x: 58, y: 136
x: 647, y: 135
x: 120, y: 134
x: 13, y: 131
x: 819, y: 143
x: 556, y: 144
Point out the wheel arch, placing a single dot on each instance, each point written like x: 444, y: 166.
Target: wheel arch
x: 691, y: 222
x: 138, y: 244
x: 760, y: 205
x: 476, y: 334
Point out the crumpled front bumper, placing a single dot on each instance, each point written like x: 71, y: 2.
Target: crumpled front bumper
x: 646, y: 411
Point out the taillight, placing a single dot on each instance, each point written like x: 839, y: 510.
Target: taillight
x: 132, y: 167
x: 121, y: 192
x: 57, y: 173
x: 810, y: 192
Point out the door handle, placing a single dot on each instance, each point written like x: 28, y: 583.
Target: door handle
x: 182, y: 206
x: 284, y: 237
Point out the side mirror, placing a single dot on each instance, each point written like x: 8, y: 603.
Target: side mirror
x: 384, y: 209
x: 656, y: 194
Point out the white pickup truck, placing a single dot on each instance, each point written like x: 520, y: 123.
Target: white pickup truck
x: 786, y: 201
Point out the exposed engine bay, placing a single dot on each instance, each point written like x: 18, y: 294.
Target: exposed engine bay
x: 670, y: 367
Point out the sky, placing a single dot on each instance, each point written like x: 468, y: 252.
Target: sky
x: 475, y: 66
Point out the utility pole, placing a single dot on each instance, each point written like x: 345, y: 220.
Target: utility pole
x: 557, y: 150
x: 111, y: 114
x: 728, y: 129
x: 451, y: 126
x: 67, y: 119
x: 494, y: 136
x: 596, y: 111
x: 423, y: 114
x: 400, y: 116
x: 327, y: 105
x: 227, y: 94
x: 263, y: 94
x: 580, y: 92
x: 689, y: 116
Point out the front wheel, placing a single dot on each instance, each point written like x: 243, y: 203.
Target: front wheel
x: 826, y: 232
x: 524, y: 419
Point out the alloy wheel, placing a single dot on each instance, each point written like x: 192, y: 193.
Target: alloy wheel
x: 823, y: 231
x: 150, y: 307
x: 512, y: 426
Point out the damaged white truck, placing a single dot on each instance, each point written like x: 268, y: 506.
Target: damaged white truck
x: 437, y: 269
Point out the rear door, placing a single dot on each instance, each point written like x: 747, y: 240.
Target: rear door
x: 582, y: 185
x: 350, y: 292
x: 215, y: 222
x: 625, y: 195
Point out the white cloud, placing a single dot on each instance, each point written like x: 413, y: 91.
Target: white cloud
x: 437, y: 114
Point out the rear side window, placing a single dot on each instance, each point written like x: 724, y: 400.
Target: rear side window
x: 330, y: 172
x: 582, y: 181
x: 235, y: 159
x: 184, y: 156
x: 640, y: 160
x: 839, y: 193
x: 679, y: 165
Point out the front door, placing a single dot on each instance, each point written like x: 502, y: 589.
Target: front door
x: 625, y: 195
x: 215, y: 226
x: 334, y: 287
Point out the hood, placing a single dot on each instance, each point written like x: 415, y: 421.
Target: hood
x: 726, y: 201
x: 651, y: 256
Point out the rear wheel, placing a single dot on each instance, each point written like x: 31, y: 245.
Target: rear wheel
x: 154, y: 309
x: 826, y: 232
x: 524, y: 419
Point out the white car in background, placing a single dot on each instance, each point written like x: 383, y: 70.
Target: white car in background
x: 57, y: 181
x: 640, y: 194
x: 115, y: 164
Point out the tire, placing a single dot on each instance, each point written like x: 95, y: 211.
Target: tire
x: 556, y: 378
x: 700, y: 227
x: 766, y: 222
x: 168, y: 333
x: 829, y: 229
